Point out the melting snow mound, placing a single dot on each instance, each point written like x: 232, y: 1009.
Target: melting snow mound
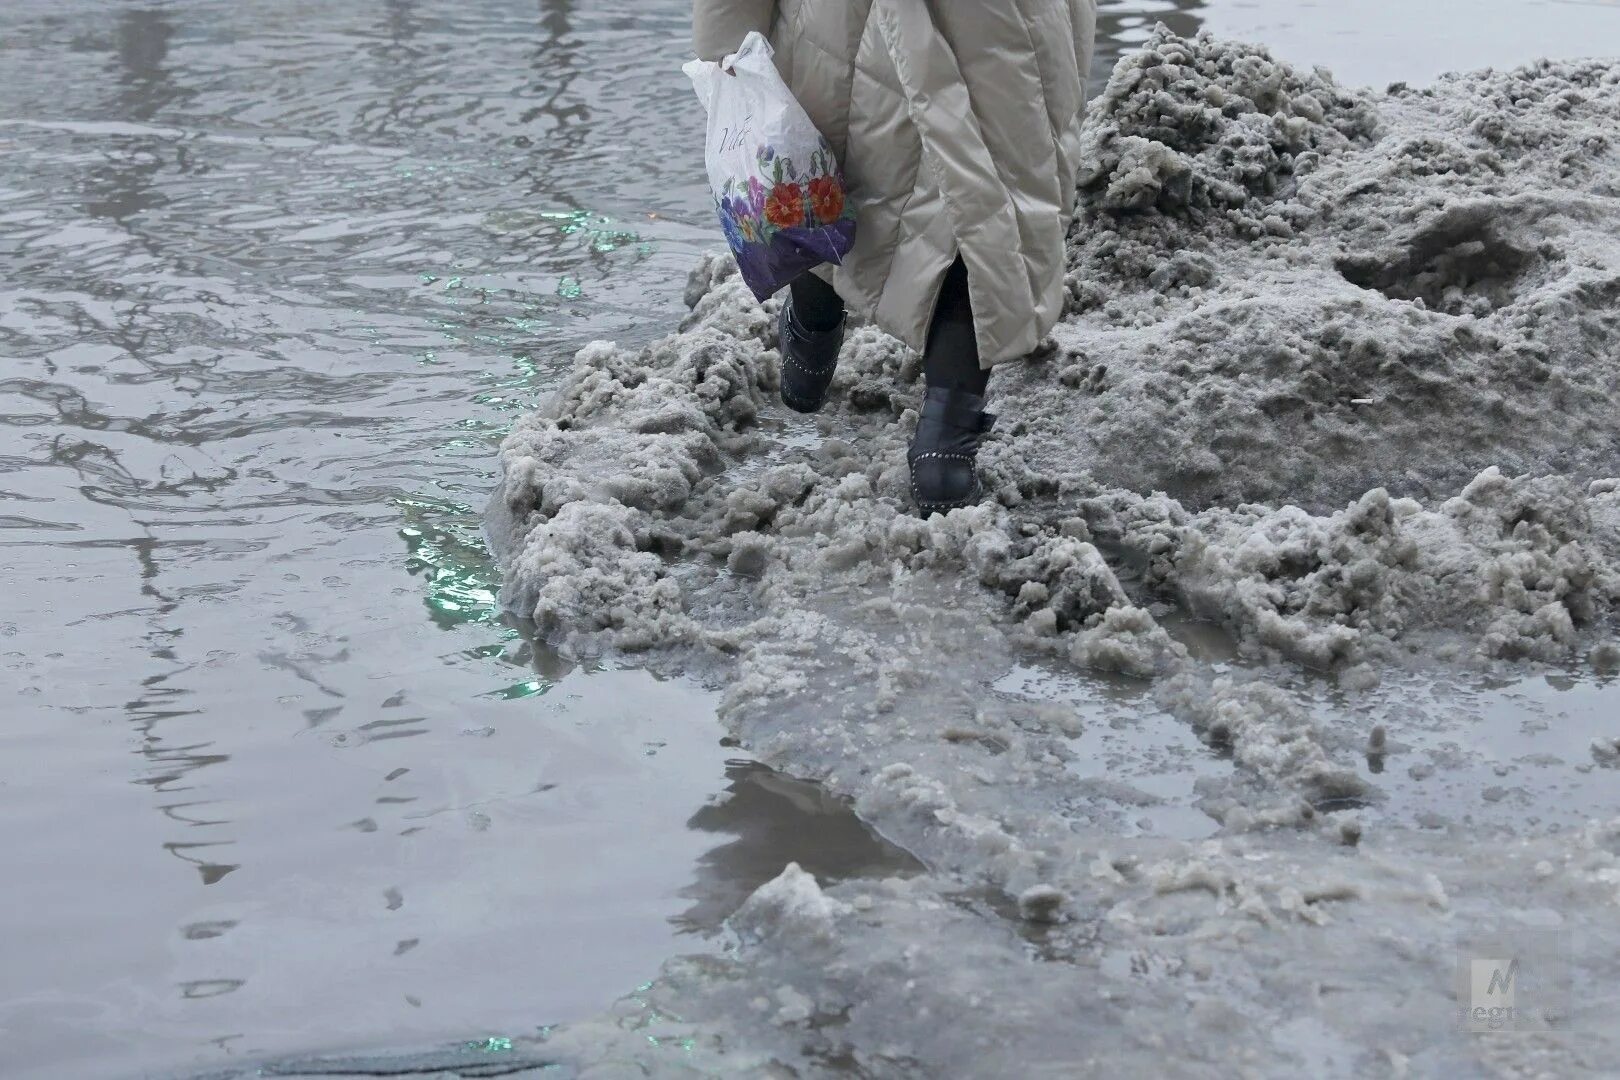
x: 1340, y: 373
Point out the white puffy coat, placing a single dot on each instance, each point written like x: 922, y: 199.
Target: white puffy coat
x: 956, y: 122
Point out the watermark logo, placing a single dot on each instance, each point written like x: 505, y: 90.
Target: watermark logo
x: 1519, y: 983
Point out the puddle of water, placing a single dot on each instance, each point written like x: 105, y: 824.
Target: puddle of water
x: 1134, y: 764
x: 359, y: 874
x: 1490, y: 757
x: 776, y: 819
x: 421, y: 868
x: 1495, y: 756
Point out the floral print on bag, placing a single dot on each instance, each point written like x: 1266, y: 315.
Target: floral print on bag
x: 797, y: 220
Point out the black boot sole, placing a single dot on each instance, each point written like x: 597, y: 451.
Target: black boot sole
x: 805, y: 404
x: 802, y: 405
x: 928, y: 509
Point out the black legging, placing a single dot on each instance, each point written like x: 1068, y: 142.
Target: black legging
x: 951, y: 357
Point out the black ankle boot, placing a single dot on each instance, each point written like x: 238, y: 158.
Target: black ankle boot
x: 809, y: 358
x: 945, y: 451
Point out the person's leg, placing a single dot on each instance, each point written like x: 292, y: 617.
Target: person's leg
x: 944, y: 452
x: 817, y: 307
x: 811, y: 332
x: 951, y: 357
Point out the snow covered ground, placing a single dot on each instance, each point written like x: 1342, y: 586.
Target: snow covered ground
x: 1268, y: 689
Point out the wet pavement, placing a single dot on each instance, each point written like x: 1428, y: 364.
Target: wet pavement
x: 274, y: 280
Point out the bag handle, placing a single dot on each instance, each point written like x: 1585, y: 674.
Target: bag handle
x: 753, y: 56
x: 702, y: 73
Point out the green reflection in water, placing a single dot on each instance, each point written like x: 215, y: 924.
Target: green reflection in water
x: 461, y: 444
x: 445, y: 546
x: 598, y: 231
x: 508, y: 402
x: 443, y: 537
x: 526, y: 688
x: 528, y: 371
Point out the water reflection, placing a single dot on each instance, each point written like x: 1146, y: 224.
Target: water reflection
x: 775, y: 820
x: 169, y: 768
x: 400, y: 21
x: 556, y: 62
x: 447, y: 551
x: 141, y: 47
x: 1122, y: 25
x: 122, y: 185
x: 560, y: 111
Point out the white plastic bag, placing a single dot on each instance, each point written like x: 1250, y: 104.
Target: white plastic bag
x: 778, y: 189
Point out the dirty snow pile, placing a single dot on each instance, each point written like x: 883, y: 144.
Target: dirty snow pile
x: 1340, y: 374
x: 1284, y: 291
